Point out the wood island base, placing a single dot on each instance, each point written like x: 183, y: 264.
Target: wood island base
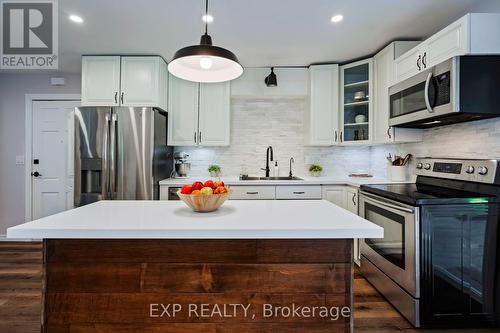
x: 207, y: 286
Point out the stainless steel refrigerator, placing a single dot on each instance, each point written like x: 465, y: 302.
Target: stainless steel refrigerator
x: 120, y: 153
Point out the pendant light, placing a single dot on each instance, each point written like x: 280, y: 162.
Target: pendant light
x: 205, y: 62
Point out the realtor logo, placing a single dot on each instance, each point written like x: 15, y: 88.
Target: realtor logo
x: 29, y: 34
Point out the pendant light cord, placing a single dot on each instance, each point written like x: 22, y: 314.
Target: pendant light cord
x: 206, y: 17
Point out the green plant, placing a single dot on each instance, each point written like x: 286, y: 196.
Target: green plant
x: 213, y: 168
x: 315, y: 168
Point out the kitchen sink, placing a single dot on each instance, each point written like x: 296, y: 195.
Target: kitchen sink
x: 270, y: 178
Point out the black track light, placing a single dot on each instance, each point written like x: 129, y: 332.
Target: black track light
x: 271, y: 80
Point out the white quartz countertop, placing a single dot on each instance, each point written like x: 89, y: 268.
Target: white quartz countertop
x: 236, y: 219
x: 308, y: 180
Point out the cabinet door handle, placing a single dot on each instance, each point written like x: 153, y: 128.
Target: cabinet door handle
x: 389, y: 132
x: 252, y: 192
x: 199, y: 137
x: 418, y: 62
x: 424, y: 60
x: 341, y: 139
x: 195, y: 137
x: 121, y: 98
x: 299, y: 192
x: 354, y: 199
x: 335, y: 135
x: 116, y: 97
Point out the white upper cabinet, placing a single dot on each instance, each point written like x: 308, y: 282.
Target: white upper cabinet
x: 124, y: 81
x: 198, y: 113
x: 100, y: 80
x: 356, y: 101
x: 182, y: 112
x: 322, y: 119
x: 384, y: 75
x: 214, y: 114
x: 140, y: 81
x: 447, y: 43
x: 408, y: 64
x: 471, y: 34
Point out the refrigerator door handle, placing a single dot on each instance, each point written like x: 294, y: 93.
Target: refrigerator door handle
x: 105, y: 162
x: 112, y: 159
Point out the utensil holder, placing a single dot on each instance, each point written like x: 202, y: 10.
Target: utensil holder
x: 398, y: 173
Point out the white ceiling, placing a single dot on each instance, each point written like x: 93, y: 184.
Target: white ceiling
x: 260, y: 32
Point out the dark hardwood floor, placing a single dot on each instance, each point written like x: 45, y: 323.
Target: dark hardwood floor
x: 20, y: 297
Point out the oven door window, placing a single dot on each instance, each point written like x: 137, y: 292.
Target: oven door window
x: 392, y: 246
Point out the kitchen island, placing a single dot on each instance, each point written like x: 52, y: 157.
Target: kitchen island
x: 151, y: 266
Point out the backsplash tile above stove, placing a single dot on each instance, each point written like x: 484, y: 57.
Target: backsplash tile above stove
x: 476, y: 139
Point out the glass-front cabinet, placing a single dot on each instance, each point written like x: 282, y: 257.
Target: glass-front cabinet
x: 356, y: 86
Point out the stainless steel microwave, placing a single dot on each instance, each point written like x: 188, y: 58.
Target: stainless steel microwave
x: 463, y: 88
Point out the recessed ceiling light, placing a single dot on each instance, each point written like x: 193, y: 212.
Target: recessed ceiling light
x: 76, y: 18
x: 207, y: 18
x: 337, y: 18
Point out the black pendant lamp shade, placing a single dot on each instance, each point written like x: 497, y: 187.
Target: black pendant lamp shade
x: 271, y: 80
x: 205, y: 62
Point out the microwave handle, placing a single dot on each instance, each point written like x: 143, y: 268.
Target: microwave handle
x: 426, y: 93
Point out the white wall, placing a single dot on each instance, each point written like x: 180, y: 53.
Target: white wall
x: 13, y: 88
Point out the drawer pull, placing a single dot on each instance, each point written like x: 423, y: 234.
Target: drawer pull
x: 252, y: 192
x: 301, y: 192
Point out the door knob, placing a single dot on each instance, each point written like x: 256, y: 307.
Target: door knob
x: 36, y: 174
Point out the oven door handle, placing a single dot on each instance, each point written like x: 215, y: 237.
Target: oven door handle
x: 375, y: 200
x: 426, y: 93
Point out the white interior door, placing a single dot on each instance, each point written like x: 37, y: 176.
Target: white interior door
x: 52, y: 157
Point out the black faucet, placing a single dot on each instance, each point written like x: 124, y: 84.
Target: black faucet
x: 269, y: 157
x: 291, y: 161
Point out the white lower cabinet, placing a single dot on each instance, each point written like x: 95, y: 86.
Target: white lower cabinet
x: 298, y: 192
x: 347, y: 198
x: 258, y: 192
x: 334, y: 194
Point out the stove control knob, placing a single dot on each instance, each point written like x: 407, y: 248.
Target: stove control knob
x: 427, y: 166
x: 420, y: 166
x: 483, y: 171
x: 469, y: 169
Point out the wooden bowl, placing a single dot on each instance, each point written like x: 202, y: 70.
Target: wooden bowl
x: 204, y: 203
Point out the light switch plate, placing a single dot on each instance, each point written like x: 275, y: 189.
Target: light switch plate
x: 19, y: 159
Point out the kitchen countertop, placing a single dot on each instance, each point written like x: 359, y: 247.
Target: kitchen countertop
x: 307, y: 180
x: 237, y: 219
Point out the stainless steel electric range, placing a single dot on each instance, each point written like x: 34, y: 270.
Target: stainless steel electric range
x: 439, y: 260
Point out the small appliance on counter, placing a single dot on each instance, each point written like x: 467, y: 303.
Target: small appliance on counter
x: 439, y: 261
x: 182, y: 167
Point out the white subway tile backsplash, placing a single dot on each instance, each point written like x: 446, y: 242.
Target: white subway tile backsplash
x: 278, y: 122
